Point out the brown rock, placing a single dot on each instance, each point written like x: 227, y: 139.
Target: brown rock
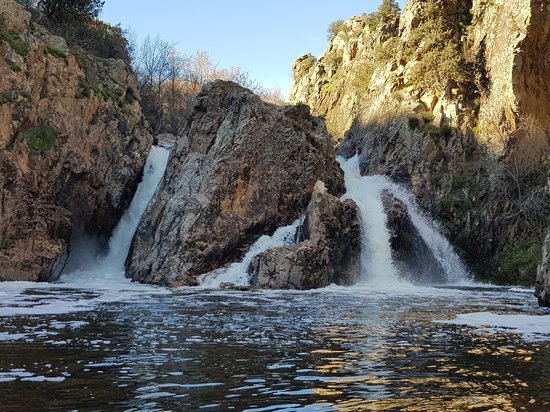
x: 14, y: 17
x: 81, y: 182
x: 243, y: 168
x: 329, y: 253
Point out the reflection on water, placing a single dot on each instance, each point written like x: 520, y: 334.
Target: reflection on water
x: 336, y: 349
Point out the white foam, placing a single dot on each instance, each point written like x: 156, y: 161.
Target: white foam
x: 376, y: 259
x: 103, y: 277
x: 532, y: 327
x: 236, y: 273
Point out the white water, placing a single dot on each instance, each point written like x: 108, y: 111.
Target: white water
x: 236, y: 274
x: 110, y: 267
x: 376, y: 260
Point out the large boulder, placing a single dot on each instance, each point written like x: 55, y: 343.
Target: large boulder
x: 411, y: 254
x: 242, y: 168
x: 73, y: 143
x: 328, y: 252
x: 542, y: 287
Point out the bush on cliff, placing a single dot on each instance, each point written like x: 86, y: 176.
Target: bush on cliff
x: 70, y: 9
x: 334, y: 28
x: 42, y: 138
x: 434, y: 44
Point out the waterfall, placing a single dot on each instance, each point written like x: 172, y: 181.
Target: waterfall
x: 236, y: 273
x: 111, y: 265
x: 376, y: 258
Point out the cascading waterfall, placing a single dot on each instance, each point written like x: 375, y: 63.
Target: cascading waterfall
x: 376, y: 259
x: 111, y: 266
x: 236, y: 274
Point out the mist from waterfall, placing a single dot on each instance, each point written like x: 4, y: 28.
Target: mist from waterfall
x: 377, y: 264
x: 85, y: 260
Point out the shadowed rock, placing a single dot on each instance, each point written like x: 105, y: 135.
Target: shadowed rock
x: 542, y: 288
x: 243, y: 168
x: 411, y: 255
x: 329, y: 253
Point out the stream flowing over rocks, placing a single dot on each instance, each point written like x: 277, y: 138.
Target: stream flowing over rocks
x: 242, y: 168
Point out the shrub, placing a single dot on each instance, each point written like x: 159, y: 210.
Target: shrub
x: 428, y: 117
x: 518, y: 262
x: 67, y: 9
x: 17, y: 43
x: 42, y: 138
x: 334, y: 58
x: 6, y: 97
x: 413, y: 122
x: 48, y: 49
x: 388, y: 10
x: 361, y: 76
x: 334, y: 28
x: 308, y: 62
x: 435, y: 46
x: 386, y: 52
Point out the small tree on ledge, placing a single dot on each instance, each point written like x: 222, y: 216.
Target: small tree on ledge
x: 63, y: 9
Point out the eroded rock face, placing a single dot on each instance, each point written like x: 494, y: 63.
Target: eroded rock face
x: 411, y: 254
x: 542, y: 289
x: 70, y: 156
x: 243, y: 168
x: 443, y: 141
x: 330, y: 252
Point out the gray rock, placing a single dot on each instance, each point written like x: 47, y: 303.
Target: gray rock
x: 542, y: 286
x: 242, y: 168
x: 329, y: 254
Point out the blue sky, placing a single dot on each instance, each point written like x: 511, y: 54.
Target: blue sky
x: 262, y: 37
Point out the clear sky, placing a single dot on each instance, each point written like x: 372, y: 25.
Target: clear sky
x: 262, y: 37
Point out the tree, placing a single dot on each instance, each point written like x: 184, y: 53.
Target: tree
x: 334, y: 28
x: 63, y: 9
x: 388, y: 9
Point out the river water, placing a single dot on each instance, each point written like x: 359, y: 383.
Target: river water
x: 95, y: 340
x: 144, y: 348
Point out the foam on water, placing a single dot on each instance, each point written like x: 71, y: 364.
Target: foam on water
x: 101, y: 277
x: 532, y: 328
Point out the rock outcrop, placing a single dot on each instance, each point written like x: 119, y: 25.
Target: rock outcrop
x: 328, y: 251
x: 243, y: 168
x: 410, y: 253
x: 73, y: 143
x: 542, y: 289
x: 464, y: 141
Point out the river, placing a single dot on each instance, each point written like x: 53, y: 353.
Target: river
x: 95, y: 340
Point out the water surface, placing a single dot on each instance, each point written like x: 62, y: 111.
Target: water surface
x: 135, y: 347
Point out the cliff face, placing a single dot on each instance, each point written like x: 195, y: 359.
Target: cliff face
x: 243, y: 168
x: 543, y: 276
x: 73, y: 143
x: 451, y: 99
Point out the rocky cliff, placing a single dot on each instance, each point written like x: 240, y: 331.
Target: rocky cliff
x: 327, y: 250
x: 242, y: 169
x: 450, y: 98
x: 543, y: 276
x: 73, y: 143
